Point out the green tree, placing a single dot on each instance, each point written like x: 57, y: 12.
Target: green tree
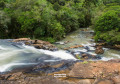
x: 106, y: 26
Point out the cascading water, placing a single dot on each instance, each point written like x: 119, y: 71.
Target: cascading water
x: 17, y: 54
x: 14, y: 55
x: 83, y: 37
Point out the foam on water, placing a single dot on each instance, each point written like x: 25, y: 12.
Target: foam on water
x: 13, y: 56
x: 8, y: 54
x: 28, y: 49
x: 60, y: 54
x: 80, y: 50
x: 7, y: 67
x: 2, y: 48
x: 51, y: 60
x: 92, y: 53
x: 18, y: 55
x: 116, y: 55
x: 106, y: 59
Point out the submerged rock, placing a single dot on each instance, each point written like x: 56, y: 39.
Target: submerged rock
x: 83, y: 52
x: 90, y: 56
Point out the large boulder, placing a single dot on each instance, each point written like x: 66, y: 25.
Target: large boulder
x: 89, y: 56
x: 39, y: 44
x: 99, y: 50
x: 117, y: 46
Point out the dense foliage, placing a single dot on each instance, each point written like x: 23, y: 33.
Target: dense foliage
x: 107, y: 25
x: 52, y: 19
x: 43, y: 19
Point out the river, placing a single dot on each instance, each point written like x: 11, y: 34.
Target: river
x: 84, y: 36
x: 14, y: 55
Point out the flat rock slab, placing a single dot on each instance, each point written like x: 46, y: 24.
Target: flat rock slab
x: 94, y: 69
x: 99, y: 72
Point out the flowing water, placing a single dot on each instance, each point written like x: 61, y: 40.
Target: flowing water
x: 14, y: 55
x: 17, y: 54
x: 83, y: 37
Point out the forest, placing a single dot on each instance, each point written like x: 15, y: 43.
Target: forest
x: 52, y: 20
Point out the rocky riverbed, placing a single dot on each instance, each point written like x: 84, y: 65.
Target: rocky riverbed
x: 84, y: 55
x: 74, y: 60
x: 81, y: 43
x: 86, y: 72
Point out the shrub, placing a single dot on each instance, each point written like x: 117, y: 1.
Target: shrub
x: 107, y: 26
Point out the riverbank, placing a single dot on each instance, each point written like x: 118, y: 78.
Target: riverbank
x: 87, y: 72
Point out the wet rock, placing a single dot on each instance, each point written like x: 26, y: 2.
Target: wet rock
x: 99, y: 50
x: 100, y: 72
x: 21, y: 39
x: 15, y: 76
x: 77, y: 56
x: 89, y: 56
x: 85, y: 56
x: 27, y: 43
x: 87, y: 48
x: 76, y: 46
x: 117, y: 46
x: 101, y: 44
x: 35, y: 80
x: 50, y: 67
x: 39, y: 44
x: 46, y: 47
